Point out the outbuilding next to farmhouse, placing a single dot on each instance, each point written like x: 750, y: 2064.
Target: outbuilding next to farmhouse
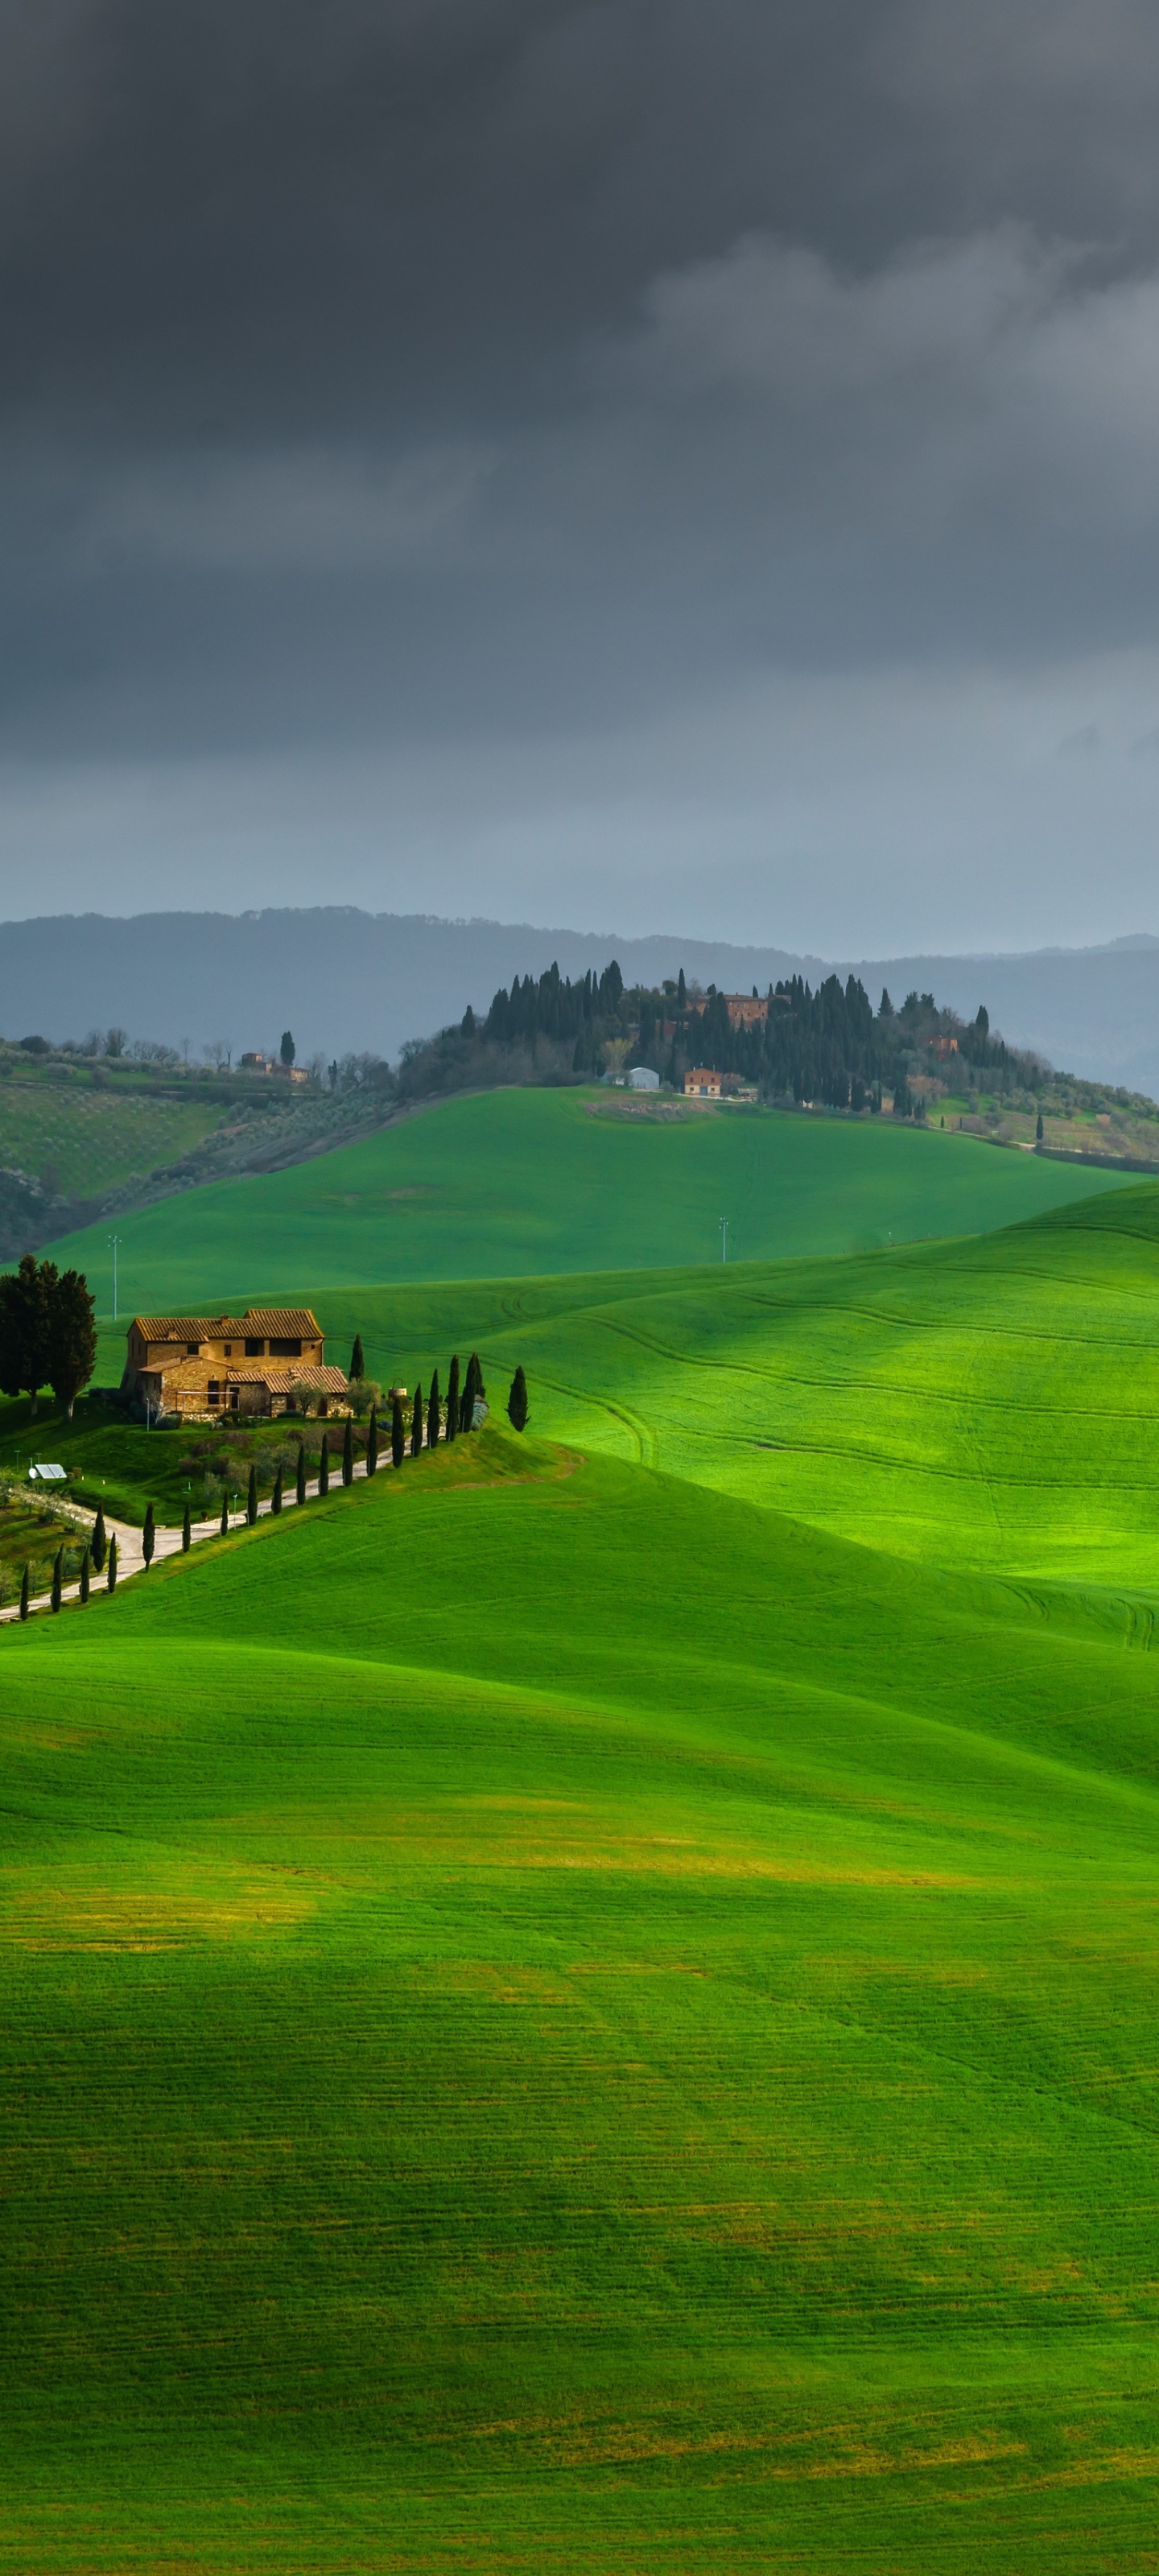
x: 202, y: 1366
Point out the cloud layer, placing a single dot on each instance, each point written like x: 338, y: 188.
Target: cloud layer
x: 558, y: 444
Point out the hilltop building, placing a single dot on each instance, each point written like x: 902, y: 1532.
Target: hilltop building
x: 745, y: 1010
x: 200, y: 1366
x: 254, y: 1062
x: 700, y: 1083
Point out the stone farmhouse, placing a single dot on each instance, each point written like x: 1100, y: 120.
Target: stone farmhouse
x: 701, y: 1083
x: 745, y: 1010
x: 200, y: 1367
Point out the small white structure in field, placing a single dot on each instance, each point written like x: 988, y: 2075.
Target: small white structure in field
x: 642, y: 1078
x: 47, y: 1475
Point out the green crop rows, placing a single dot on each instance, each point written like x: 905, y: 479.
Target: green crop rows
x: 81, y: 1141
x: 590, y: 2006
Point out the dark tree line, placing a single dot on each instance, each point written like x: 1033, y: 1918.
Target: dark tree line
x: 826, y: 1046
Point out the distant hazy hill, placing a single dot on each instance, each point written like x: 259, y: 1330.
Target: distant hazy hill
x: 343, y: 979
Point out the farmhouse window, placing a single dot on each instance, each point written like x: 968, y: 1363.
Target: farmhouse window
x: 286, y: 1350
x: 255, y: 1349
x: 227, y: 1350
x: 191, y: 1350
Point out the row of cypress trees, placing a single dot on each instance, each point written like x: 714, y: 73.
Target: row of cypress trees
x: 460, y: 1414
x: 107, y: 1563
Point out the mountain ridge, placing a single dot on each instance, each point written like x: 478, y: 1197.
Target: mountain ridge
x: 345, y: 980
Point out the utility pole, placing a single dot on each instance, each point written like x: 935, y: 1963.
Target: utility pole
x: 114, y: 1240
x: 724, y: 1238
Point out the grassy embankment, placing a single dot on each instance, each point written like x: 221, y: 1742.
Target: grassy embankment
x: 475, y: 1186
x: 537, y: 1182
x: 705, y: 2110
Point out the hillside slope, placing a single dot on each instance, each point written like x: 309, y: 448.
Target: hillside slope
x: 704, y: 2112
x: 544, y: 1181
x: 990, y: 1404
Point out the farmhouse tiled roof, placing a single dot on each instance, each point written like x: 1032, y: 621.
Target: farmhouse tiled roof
x: 270, y: 1323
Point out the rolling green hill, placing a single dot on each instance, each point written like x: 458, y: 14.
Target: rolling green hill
x: 561, y: 2021
x: 988, y: 1404
x: 530, y: 1182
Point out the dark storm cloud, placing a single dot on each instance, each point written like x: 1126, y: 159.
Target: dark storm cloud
x: 436, y: 371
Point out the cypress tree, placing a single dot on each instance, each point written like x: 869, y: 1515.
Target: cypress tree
x: 99, y: 1540
x: 453, y: 1400
x: 471, y: 1388
x: 57, y: 1578
x: 301, y: 1484
x: 24, y: 1594
x: 148, y: 1535
x: 276, y: 1496
x: 397, y: 1433
x: 357, y: 1363
x: 1039, y: 1130
x: 517, y: 1402
x: 251, y: 1500
x: 111, y: 1577
x: 433, y: 1413
x: 84, y: 1575
x: 186, y: 1532
x: 372, y: 1443
x: 348, y: 1453
x: 324, y: 1465
x: 416, y: 1428
x: 225, y: 1515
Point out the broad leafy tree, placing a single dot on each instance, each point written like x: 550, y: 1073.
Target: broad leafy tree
x: 25, y: 1327
x: 72, y: 1337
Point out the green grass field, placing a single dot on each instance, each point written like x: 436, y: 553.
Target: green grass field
x: 559, y: 2020
x: 523, y: 1183
x: 590, y: 2006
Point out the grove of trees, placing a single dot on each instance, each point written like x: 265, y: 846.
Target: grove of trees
x: 47, y: 1332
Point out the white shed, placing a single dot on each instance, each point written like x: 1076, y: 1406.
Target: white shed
x: 642, y: 1078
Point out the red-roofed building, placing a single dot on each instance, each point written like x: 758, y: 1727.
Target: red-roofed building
x: 200, y: 1366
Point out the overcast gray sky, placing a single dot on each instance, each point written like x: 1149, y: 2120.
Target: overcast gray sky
x: 645, y: 465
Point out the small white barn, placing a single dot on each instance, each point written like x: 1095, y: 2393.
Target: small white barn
x: 642, y: 1078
